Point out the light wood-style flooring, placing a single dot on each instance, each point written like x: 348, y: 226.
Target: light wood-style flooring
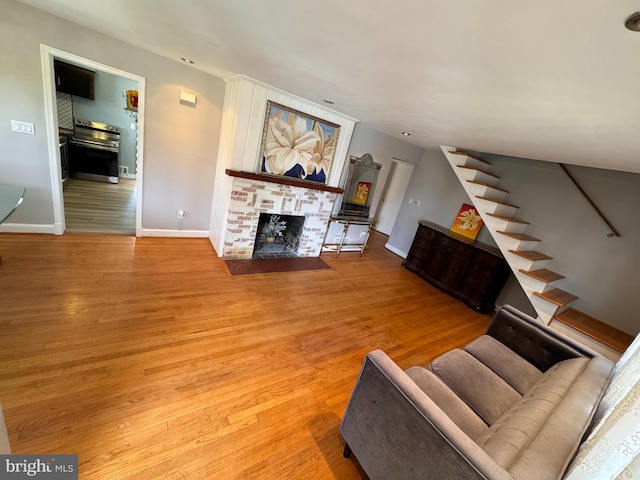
x: 99, y: 207
x: 146, y: 358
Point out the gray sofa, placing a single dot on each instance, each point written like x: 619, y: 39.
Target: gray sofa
x: 514, y: 403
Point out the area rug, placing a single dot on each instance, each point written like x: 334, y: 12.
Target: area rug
x: 271, y: 265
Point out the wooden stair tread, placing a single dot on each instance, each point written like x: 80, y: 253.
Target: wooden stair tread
x: 542, y: 274
x: 531, y: 255
x: 471, y: 156
x: 520, y: 236
x: 600, y: 331
x: 508, y: 219
x: 477, y: 170
x: 487, y: 185
x: 497, y: 201
x: 557, y: 296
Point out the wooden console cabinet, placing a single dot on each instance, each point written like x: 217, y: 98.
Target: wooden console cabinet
x: 468, y: 270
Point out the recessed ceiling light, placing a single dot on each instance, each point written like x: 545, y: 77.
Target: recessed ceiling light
x: 406, y: 134
x: 186, y: 60
x: 329, y: 102
x: 633, y: 22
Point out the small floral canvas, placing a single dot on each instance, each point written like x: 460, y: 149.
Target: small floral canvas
x: 467, y: 223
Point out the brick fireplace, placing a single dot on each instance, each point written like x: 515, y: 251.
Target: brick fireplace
x: 252, y: 196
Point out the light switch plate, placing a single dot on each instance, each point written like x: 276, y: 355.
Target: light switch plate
x: 22, y: 127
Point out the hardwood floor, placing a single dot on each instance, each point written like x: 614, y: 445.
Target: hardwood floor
x: 98, y: 207
x: 146, y: 358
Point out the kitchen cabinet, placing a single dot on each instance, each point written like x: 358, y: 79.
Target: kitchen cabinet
x: 470, y: 271
x: 74, y: 80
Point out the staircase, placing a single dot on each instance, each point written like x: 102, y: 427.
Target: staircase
x: 521, y: 251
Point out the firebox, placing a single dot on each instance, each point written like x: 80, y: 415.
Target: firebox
x: 278, y: 236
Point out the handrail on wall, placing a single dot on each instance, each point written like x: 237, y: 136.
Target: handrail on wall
x: 595, y: 207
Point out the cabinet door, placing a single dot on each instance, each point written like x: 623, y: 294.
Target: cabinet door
x: 484, y: 278
x: 458, y: 255
x: 420, y: 249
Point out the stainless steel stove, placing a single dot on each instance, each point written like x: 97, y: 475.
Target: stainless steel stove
x: 93, y: 152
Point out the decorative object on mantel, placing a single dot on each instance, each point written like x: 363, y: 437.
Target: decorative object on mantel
x: 295, y: 144
x: 467, y: 223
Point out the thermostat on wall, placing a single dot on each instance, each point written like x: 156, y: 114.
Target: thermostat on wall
x: 187, y: 98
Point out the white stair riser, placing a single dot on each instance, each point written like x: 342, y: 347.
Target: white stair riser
x: 505, y: 226
x: 515, y: 244
x: 496, y: 208
x: 469, y: 162
x: 534, y: 284
x: 485, y: 191
x: 475, y: 176
x: 517, y: 262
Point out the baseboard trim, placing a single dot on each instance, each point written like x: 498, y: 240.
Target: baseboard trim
x: 393, y: 249
x: 156, y: 232
x: 130, y: 176
x: 28, y: 228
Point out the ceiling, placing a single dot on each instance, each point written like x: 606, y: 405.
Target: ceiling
x: 552, y: 80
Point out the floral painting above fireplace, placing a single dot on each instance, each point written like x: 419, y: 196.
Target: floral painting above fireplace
x: 296, y: 145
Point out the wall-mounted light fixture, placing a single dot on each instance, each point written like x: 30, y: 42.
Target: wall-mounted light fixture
x: 188, y: 98
x: 633, y: 22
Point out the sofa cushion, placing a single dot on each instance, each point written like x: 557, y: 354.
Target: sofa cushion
x: 458, y: 411
x: 507, y: 364
x: 475, y: 383
x: 540, y: 434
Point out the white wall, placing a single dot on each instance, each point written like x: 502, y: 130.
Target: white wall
x: 181, y: 142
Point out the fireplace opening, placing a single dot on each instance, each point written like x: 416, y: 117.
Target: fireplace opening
x: 278, y: 236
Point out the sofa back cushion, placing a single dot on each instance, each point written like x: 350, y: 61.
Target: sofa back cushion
x: 475, y: 383
x: 507, y: 364
x: 458, y: 411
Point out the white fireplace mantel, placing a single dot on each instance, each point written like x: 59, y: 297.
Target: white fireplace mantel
x: 243, y: 114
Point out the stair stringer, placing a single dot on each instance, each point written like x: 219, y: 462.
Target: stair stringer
x: 546, y: 310
x: 485, y: 207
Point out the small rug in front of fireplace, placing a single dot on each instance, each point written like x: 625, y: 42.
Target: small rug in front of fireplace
x: 271, y: 265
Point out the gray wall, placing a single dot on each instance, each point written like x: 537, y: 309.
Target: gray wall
x: 602, y: 271
x: 383, y: 148
x: 181, y: 142
x: 108, y: 107
x: 441, y: 195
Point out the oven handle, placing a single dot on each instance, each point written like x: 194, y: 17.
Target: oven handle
x: 94, y: 145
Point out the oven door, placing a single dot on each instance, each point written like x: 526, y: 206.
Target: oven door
x: 91, y: 161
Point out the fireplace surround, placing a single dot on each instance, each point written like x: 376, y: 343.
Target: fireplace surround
x: 252, y: 196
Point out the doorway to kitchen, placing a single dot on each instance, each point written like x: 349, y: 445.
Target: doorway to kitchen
x: 97, y: 149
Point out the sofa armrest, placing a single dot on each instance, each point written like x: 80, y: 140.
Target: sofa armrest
x: 396, y: 431
x: 534, y: 341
